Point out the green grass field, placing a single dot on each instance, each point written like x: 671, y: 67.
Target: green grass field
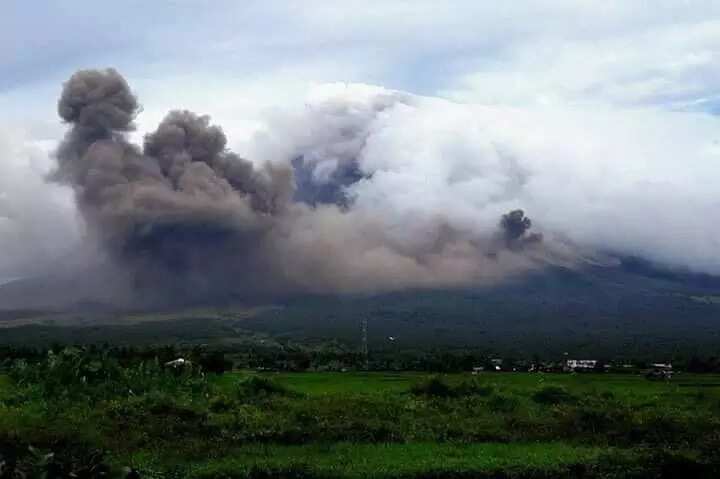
x: 335, y: 383
x: 630, y: 387
x: 393, y: 460
x: 366, y: 425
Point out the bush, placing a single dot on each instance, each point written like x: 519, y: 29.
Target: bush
x: 595, y: 418
x: 221, y: 404
x: 503, y: 403
x: 258, y: 387
x: 680, y: 465
x: 159, y: 404
x: 475, y: 387
x: 553, y: 395
x: 69, y: 373
x: 215, y: 362
x: 437, y: 387
x: 75, y: 374
x: 24, y: 461
x: 235, y: 470
x: 607, y: 395
x: 433, y: 387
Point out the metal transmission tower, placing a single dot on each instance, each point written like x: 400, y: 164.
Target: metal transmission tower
x: 364, y: 343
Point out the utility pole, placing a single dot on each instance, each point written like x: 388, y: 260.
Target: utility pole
x: 364, y: 343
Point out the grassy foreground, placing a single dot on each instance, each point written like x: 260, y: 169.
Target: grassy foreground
x: 402, y: 460
x: 95, y: 415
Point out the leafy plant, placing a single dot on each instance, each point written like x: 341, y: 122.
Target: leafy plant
x: 433, y: 387
x: 552, y: 394
x: 254, y: 387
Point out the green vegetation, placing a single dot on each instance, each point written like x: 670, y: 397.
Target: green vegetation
x: 401, y: 460
x: 92, y: 414
x: 628, y: 313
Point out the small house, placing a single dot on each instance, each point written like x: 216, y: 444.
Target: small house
x: 660, y: 371
x: 580, y: 364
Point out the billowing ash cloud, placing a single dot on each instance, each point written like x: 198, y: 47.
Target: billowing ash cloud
x: 361, y: 190
x: 183, y: 214
x: 334, y: 130
x: 188, y: 218
x: 515, y: 226
x: 619, y: 181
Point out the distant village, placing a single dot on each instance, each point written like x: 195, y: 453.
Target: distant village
x: 459, y: 362
x: 652, y: 370
x: 335, y: 357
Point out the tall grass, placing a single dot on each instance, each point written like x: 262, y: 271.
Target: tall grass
x: 161, y: 419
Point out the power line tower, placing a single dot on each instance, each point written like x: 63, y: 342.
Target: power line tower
x: 364, y: 343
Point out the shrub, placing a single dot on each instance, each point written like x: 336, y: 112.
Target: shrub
x: 552, y: 394
x: 503, y: 403
x: 607, y: 395
x: 69, y: 373
x: 235, y: 470
x: 75, y: 373
x: 475, y: 387
x: 27, y: 462
x: 215, y: 362
x: 165, y: 405
x: 258, y: 386
x: 221, y: 404
x: 434, y: 387
x: 596, y: 418
x: 437, y: 387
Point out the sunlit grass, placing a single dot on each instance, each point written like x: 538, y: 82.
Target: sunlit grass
x: 345, y: 460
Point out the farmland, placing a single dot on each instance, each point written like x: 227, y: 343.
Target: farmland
x: 92, y: 412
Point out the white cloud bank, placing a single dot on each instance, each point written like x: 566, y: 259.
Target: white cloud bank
x: 37, y: 220
x: 673, y: 65
x: 640, y: 182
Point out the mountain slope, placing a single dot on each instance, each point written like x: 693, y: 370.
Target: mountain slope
x: 595, y: 310
x: 634, y: 309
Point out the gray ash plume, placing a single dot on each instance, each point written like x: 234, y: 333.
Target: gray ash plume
x: 175, y: 209
x: 189, y: 220
x: 515, y: 226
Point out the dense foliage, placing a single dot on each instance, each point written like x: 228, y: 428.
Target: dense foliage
x: 91, y: 414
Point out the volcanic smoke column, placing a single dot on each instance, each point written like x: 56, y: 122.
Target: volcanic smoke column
x: 190, y: 220
x: 182, y: 210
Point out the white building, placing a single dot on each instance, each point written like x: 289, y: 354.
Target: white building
x: 580, y: 364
